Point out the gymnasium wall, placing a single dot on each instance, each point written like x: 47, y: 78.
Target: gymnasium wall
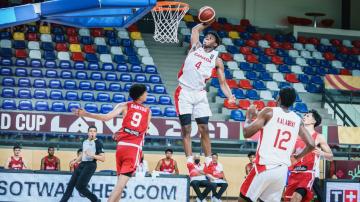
x: 272, y: 13
x: 355, y: 15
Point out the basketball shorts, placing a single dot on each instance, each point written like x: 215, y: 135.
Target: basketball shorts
x: 193, y: 102
x: 127, y: 157
x: 303, y: 180
x: 265, y: 184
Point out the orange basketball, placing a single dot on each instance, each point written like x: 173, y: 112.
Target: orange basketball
x: 206, y: 14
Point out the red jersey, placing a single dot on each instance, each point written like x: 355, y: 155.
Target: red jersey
x: 195, y: 169
x: 248, y: 167
x: 168, y: 168
x: 214, y: 169
x: 50, y: 164
x: 308, y: 162
x: 16, y: 164
x: 134, y: 125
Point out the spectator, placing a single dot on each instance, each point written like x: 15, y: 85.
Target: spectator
x: 215, y: 172
x: 249, y: 166
x: 50, y: 162
x: 167, y: 165
x: 198, y: 179
x: 72, y: 165
x: 93, y: 151
x: 143, y: 168
x: 16, y: 162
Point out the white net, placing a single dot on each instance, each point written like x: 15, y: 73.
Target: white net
x: 167, y: 19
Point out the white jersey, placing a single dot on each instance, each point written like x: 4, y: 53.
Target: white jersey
x: 197, y: 68
x: 278, y: 138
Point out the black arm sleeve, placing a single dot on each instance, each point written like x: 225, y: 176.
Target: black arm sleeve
x: 99, y: 147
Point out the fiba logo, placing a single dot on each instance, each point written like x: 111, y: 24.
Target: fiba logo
x: 343, y: 195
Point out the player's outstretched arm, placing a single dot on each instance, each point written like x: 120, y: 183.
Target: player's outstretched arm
x: 306, y: 137
x: 252, y: 127
x: 222, y: 81
x: 120, y: 108
x: 195, y: 32
x: 325, y: 150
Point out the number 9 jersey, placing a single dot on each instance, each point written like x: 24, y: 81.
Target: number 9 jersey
x: 134, y: 125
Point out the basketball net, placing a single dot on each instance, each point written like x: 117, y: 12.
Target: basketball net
x: 167, y: 16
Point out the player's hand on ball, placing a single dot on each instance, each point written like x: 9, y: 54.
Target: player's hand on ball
x: 78, y: 112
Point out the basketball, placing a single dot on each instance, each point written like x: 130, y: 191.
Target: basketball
x: 206, y: 14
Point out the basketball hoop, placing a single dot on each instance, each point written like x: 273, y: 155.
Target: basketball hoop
x: 167, y: 16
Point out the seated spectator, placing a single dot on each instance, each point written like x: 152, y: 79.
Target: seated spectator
x: 249, y: 166
x: 215, y: 172
x: 16, y: 162
x: 167, y: 165
x: 73, y: 164
x: 50, y: 162
x: 143, y: 168
x: 198, y: 179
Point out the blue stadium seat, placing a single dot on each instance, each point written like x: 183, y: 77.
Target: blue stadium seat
x: 47, y: 46
x: 251, y: 76
x: 155, y: 79
x: 79, y: 65
x: 228, y: 74
x: 136, y: 68
x: 17, y: 44
x: 281, y: 53
x: 232, y: 49
x: 82, y: 75
x: 106, y: 108
x: 122, y: 68
x: 6, y: 71
x: 73, y: 105
x: 93, y: 66
x: 298, y: 99
x: 103, y: 97
x: 284, y: 84
x: 325, y: 63
x: 96, y: 76
x: 36, y: 73
x: 265, y: 76
x: 238, y: 93
x: 134, y: 60
x: 126, y: 42
x: 91, y: 57
x: 58, y: 107
x: 114, y: 87
x: 129, y: 51
x: 24, y: 93
x: 41, y: 106
x: 8, y: 93
x: 313, y: 63
x: 59, y: 38
x: 6, y: 61
x: 113, y: 42
x: 86, y: 40
x: 333, y: 71
x: 71, y: 95
x: 21, y: 62
x: 55, y: 84
x: 170, y: 112
x: 57, y: 30
x: 160, y: 89
x: 91, y: 107
x: 245, y: 66
x: 24, y: 82
x: 8, y: 81
x: 25, y: 105
x: 108, y: 67
x: 5, y: 35
x: 66, y: 74
x: 40, y: 94
x: 100, y: 86
x: 56, y: 95
x: 309, y: 70
x: 64, y: 64
x: 245, y: 35
x: 259, y: 67
x: 70, y: 85
x: 303, y: 78
x: 110, y: 76
x: 102, y: 49
x: 9, y: 104
x: 215, y: 82
x: 289, y: 61
x: 140, y: 78
x: 222, y: 20
x: 321, y: 71
x: 118, y: 98
x: 119, y: 59
x: 148, y: 88
x: 257, y: 51
x: 21, y: 72
x: 220, y: 93
x: 222, y: 34
x: 87, y: 96
x: 49, y: 55
x: 264, y: 59
x: 259, y: 85
x: 155, y: 111
x: 284, y: 69
x: 127, y: 87
x: 110, y: 34
x: 237, y: 115
x: 50, y: 73
x: 252, y: 95
x: 6, y: 52
x: 50, y: 64
x: 39, y: 83
x: 316, y: 80
x: 301, y: 107
x: 150, y: 69
x: 165, y: 100
x: 151, y: 99
x: 239, y: 42
x: 125, y: 77
x: 280, y: 38
x: 85, y: 85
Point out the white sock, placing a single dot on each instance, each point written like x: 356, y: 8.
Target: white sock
x: 190, y: 159
x: 208, y: 160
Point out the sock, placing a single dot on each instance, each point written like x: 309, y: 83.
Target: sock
x: 208, y: 160
x: 190, y: 159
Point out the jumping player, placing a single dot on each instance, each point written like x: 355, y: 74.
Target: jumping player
x: 302, y: 174
x: 16, y: 162
x: 190, y: 96
x: 279, y: 130
x: 130, y: 138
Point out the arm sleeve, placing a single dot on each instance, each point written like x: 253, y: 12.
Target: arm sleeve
x: 99, y: 147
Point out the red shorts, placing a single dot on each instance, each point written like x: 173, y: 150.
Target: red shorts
x: 303, y: 180
x: 127, y: 159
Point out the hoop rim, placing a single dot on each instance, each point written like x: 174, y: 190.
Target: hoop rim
x: 160, y: 6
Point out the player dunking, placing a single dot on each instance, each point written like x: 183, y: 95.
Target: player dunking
x: 130, y: 138
x: 279, y: 130
x: 190, y: 96
x: 302, y: 174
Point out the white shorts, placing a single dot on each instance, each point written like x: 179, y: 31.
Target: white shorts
x: 267, y: 185
x: 193, y: 102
